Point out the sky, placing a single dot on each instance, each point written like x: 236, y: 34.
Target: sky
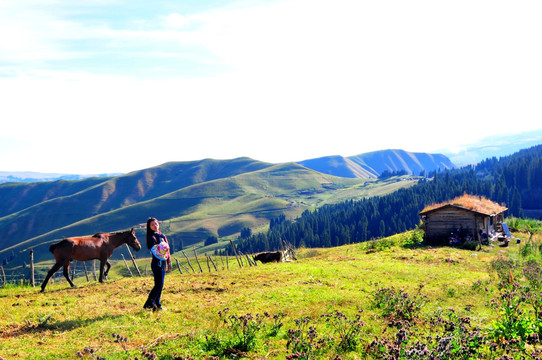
x: 109, y: 86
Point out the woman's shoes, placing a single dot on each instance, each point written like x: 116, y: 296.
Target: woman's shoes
x: 153, y: 307
x: 148, y: 306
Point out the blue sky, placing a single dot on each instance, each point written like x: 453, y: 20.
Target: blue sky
x: 115, y: 86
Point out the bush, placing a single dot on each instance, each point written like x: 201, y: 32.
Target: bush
x: 471, y: 245
x: 524, y: 225
x: 397, y: 305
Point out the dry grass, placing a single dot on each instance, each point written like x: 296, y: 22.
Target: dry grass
x: 471, y: 202
x: 58, y: 323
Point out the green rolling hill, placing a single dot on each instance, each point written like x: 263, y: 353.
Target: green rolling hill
x: 193, y: 199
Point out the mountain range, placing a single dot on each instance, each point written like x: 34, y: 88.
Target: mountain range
x: 206, y: 198
x: 31, y: 176
x: 195, y: 199
x: 373, y: 164
x: 355, y: 166
x: 493, y: 146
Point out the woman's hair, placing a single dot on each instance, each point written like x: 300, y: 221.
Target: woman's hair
x: 150, y: 233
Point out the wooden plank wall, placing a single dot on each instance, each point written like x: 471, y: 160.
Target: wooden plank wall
x: 440, y: 224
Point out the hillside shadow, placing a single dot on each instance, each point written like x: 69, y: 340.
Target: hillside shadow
x: 47, y: 325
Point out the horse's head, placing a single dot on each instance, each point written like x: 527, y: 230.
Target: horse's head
x: 132, y: 241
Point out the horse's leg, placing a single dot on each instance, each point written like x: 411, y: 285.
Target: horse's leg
x: 104, y: 270
x: 51, y: 272
x: 102, y: 265
x: 66, y: 272
x: 108, y: 265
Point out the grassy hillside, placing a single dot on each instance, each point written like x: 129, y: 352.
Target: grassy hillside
x: 339, y: 166
x: 396, y: 160
x: 212, y: 203
x: 351, y: 302
x: 373, y: 164
x: 65, y: 204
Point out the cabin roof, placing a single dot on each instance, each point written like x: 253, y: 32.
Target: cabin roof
x: 469, y: 202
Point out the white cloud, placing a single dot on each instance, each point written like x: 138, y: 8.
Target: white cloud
x: 289, y: 79
x: 176, y: 20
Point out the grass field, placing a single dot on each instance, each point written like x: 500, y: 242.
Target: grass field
x: 373, y: 300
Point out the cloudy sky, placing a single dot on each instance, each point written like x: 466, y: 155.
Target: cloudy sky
x: 120, y: 85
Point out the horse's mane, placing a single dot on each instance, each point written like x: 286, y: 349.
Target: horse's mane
x: 98, y: 235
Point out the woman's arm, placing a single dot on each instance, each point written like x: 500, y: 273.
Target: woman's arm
x: 169, y: 267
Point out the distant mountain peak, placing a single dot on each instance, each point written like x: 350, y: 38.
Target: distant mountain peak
x: 372, y: 164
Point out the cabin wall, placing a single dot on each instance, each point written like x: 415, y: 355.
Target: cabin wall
x: 439, y: 225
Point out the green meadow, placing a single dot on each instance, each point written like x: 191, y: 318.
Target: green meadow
x: 391, y: 298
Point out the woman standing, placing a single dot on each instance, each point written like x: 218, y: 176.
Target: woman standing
x: 161, y: 260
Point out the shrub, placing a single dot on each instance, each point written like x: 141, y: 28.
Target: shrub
x: 304, y: 341
x: 453, y: 338
x: 397, y: 305
x: 471, y: 245
x: 533, y: 273
x: 506, y: 270
x: 514, y: 326
x: 348, y: 330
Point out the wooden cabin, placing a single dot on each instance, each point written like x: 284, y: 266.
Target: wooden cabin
x: 466, y: 217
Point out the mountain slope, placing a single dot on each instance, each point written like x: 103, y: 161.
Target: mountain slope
x: 38, y: 208
x: 219, y: 207
x: 338, y: 166
x: 373, y: 164
x: 195, y: 199
x: 19, y: 196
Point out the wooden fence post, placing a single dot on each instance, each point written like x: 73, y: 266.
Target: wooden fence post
x: 94, y: 270
x: 133, y: 259
x: 197, y: 260
x: 178, y: 265
x: 32, y: 268
x: 127, y: 267
x: 235, y: 252
x: 73, y: 271
x: 250, y: 262
x: 185, y: 268
x: 86, y: 273
x: 208, y: 265
x: 3, y: 275
x: 212, y: 262
x: 188, y: 261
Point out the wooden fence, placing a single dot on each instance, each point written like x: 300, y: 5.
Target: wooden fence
x: 88, y: 269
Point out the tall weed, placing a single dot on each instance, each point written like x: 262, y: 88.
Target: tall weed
x: 348, y: 330
x: 397, y: 305
x: 304, y: 341
x: 506, y: 269
x: 452, y: 337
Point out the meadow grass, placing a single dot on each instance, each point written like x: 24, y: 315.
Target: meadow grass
x: 63, y: 321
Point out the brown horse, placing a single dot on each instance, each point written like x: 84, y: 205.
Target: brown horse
x: 99, y: 246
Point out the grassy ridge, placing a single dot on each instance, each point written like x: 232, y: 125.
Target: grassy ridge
x: 63, y: 321
x: 217, y: 206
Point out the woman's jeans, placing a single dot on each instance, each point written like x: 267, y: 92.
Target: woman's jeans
x: 159, y: 273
